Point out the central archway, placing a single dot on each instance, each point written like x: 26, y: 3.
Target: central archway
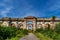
x: 29, y: 25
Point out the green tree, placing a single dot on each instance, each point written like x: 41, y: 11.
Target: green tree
x: 53, y: 18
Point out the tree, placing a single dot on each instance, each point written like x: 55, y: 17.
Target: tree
x: 53, y: 18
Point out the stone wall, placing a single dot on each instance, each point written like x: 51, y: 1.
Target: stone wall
x: 36, y: 22
x: 45, y: 25
x: 5, y: 23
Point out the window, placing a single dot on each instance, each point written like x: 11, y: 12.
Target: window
x: 20, y: 24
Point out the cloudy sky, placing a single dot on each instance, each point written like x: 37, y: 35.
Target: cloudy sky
x: 22, y: 8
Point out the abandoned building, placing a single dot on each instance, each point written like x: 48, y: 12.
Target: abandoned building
x: 30, y: 22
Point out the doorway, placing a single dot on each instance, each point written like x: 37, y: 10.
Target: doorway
x: 29, y: 25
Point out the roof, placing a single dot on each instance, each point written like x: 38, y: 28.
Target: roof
x: 29, y: 17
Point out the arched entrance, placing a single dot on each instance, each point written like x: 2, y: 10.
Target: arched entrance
x: 29, y: 25
x: 20, y: 25
x: 12, y: 24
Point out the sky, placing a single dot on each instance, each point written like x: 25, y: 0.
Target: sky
x: 23, y: 8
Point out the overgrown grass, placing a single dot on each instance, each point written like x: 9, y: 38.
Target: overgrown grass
x: 48, y: 33
x: 11, y: 33
x: 15, y: 38
x: 19, y: 34
x: 42, y: 37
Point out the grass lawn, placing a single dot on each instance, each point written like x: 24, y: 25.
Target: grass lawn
x: 42, y: 37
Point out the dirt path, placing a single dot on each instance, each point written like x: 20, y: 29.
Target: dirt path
x: 30, y: 36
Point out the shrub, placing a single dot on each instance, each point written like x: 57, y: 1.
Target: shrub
x: 54, y: 34
x: 57, y: 28
x: 11, y: 32
x: 1, y: 38
x: 7, y: 32
x: 25, y: 31
x: 39, y: 30
x: 20, y: 32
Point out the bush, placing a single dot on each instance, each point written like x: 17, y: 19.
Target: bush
x: 25, y: 31
x: 57, y: 28
x: 7, y: 32
x: 1, y: 38
x: 39, y: 30
x: 54, y: 34
x: 11, y: 32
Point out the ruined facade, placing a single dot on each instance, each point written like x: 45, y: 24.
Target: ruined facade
x: 30, y: 22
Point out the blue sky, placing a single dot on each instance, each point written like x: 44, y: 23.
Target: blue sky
x: 23, y: 8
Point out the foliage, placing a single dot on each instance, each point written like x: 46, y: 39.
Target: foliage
x: 57, y: 28
x: 11, y: 32
x: 7, y: 32
x: 41, y: 36
x: 0, y: 23
x: 54, y: 34
x: 53, y: 17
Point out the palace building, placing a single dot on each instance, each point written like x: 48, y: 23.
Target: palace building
x: 30, y: 22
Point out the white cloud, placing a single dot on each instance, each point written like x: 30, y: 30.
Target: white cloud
x: 5, y: 11
x: 6, y: 8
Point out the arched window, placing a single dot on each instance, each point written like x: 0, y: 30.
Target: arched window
x: 39, y: 25
x: 20, y: 25
x: 5, y: 24
x: 12, y: 24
